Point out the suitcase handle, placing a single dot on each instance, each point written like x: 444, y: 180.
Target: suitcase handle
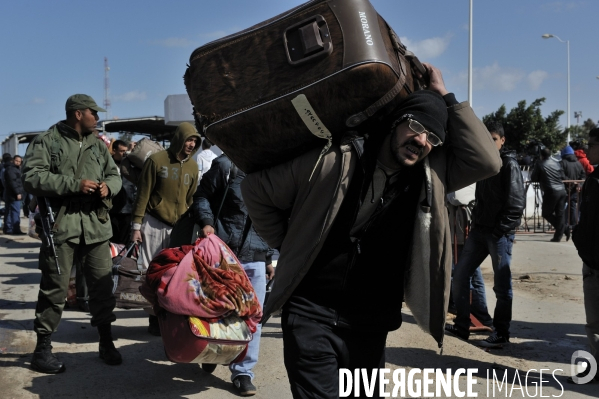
x: 307, y: 40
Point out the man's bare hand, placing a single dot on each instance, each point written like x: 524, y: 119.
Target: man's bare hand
x: 436, y: 83
x: 103, y: 190
x: 206, y: 231
x: 88, y: 187
x: 270, y: 272
x: 136, y: 236
x: 18, y: 197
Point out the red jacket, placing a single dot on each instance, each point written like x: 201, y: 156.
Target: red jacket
x: 582, y: 158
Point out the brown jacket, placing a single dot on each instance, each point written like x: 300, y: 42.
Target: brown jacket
x: 294, y: 213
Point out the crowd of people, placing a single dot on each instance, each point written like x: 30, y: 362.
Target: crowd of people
x: 426, y: 151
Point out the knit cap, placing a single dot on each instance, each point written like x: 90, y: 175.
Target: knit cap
x: 567, y: 150
x: 426, y: 107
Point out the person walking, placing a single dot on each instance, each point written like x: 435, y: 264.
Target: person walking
x: 585, y: 237
x: 550, y: 176
x: 165, y: 191
x: 364, y: 226
x: 500, y: 201
x: 69, y: 167
x: 13, y: 197
x: 573, y: 170
x: 218, y: 208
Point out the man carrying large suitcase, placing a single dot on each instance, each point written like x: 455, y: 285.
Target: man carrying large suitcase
x: 365, y: 228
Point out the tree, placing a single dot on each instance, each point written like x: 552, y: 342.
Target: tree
x: 524, y: 125
x: 581, y: 133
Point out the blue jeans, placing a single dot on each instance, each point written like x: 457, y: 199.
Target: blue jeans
x: 479, y: 245
x: 478, y: 307
x: 12, y: 216
x: 256, y: 272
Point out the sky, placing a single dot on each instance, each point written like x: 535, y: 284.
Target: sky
x: 52, y: 49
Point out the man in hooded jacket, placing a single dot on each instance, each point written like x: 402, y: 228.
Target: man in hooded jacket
x: 573, y: 170
x: 165, y: 191
x: 364, y: 227
x: 581, y: 155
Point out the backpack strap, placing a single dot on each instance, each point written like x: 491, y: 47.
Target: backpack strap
x: 232, y: 175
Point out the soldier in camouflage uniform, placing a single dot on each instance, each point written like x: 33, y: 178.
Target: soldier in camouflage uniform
x: 73, y: 169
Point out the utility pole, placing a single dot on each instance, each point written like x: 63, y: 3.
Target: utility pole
x: 470, y: 58
x: 106, y: 88
x: 577, y: 115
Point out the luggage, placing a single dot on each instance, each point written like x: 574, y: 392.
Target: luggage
x: 142, y: 150
x: 132, y: 164
x: 192, y: 340
x: 273, y: 91
x: 77, y: 291
x: 206, y: 306
x: 130, y: 172
x: 128, y: 275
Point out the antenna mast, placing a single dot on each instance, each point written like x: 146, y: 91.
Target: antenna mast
x: 106, y: 88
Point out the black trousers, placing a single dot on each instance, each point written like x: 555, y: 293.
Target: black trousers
x: 571, y: 215
x: 314, y: 352
x: 121, y: 228
x: 554, y: 204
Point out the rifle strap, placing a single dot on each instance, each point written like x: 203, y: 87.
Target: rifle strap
x: 65, y: 202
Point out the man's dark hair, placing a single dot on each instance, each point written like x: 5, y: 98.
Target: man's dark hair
x: 545, y: 153
x: 575, y: 144
x: 594, y: 133
x: 6, y: 157
x: 495, y: 127
x: 119, y: 143
x: 206, y: 144
x: 17, y: 156
x: 71, y: 113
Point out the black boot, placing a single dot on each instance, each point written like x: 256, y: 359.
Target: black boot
x: 107, y: 350
x: 43, y: 359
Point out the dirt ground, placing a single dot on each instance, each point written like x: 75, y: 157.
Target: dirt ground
x: 548, y: 326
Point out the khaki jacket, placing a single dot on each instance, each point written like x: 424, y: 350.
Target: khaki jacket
x: 166, y: 185
x: 295, y: 214
x: 56, y: 180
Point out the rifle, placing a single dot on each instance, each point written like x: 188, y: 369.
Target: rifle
x: 47, y: 225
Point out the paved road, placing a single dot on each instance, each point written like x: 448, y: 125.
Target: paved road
x: 548, y: 327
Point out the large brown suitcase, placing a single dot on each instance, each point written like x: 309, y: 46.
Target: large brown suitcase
x: 275, y: 90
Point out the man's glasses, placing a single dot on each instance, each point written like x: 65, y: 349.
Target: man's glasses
x: 417, y: 128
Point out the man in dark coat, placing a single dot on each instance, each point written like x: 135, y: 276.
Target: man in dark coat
x: 573, y: 170
x: 122, y: 204
x: 550, y: 176
x: 218, y: 208
x: 500, y: 201
x: 13, y: 196
x: 586, y: 237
